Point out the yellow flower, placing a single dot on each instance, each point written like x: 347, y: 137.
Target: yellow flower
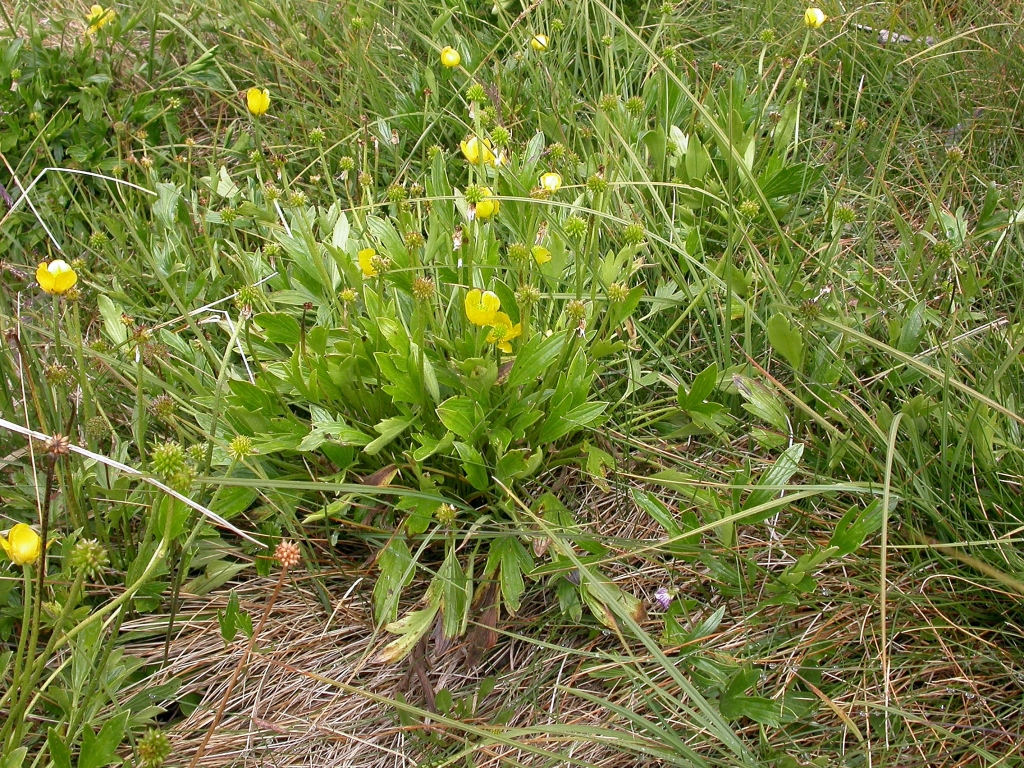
x: 488, y: 206
x: 258, y: 101
x: 814, y: 18
x: 366, y: 262
x: 450, y: 57
x: 539, y: 42
x: 482, y: 306
x: 541, y: 255
x: 502, y: 332
x: 24, y: 545
x: 98, y: 16
x: 550, y: 181
x: 477, y: 151
x: 56, y: 277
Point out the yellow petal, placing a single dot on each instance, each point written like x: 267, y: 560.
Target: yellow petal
x: 258, y: 101
x: 488, y: 206
x: 481, y: 306
x: 23, y: 546
x: 551, y: 181
x: 366, y: 262
x: 814, y: 17
x: 476, y: 151
x: 541, y: 255
x: 450, y: 57
x: 56, y: 277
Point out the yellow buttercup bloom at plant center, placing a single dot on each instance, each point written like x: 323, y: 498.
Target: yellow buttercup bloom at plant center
x: 22, y: 545
x: 488, y: 206
x: 550, y: 181
x: 258, y: 101
x: 450, y: 57
x: 814, y: 17
x: 476, y: 151
x: 56, y: 277
x: 502, y: 332
x: 366, y: 262
x: 539, y: 43
x: 98, y: 16
x: 481, y: 306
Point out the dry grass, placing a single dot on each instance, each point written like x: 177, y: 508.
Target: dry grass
x: 954, y: 691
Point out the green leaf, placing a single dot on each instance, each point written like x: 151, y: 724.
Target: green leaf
x: 777, y: 475
x: 453, y: 590
x: 396, y: 571
x: 474, y: 465
x: 99, y: 751
x: 431, y: 445
x: 411, y: 627
x: 389, y: 429
x: 58, y: 751
x: 233, y: 500
x: 735, y: 702
x: 657, y: 511
x: 225, y: 187
x: 703, y: 385
x: 278, y: 327
x: 597, y: 464
x: 789, y: 180
x: 855, y: 526
x: 218, y: 573
x: 559, y: 425
x: 510, y: 558
x: 762, y: 402
x: 111, y: 314
x: 461, y: 415
x: 534, y: 358
x: 786, y: 339
x: 167, y: 205
x: 797, y: 575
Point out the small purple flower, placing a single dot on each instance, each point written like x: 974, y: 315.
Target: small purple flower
x: 663, y: 598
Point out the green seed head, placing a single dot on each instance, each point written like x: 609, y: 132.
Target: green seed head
x: 167, y: 459
x: 154, y: 748
x: 575, y: 227
x: 89, y: 558
x: 608, y: 103
x: 576, y: 310
x: 518, y: 253
x: 423, y: 289
x: 396, y: 193
x: 527, y: 295
x: 633, y: 233
x: 618, y: 293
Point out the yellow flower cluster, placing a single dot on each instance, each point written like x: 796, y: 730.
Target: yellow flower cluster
x: 98, y: 17
x: 483, y: 308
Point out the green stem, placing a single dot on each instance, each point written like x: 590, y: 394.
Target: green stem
x: 218, y: 391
